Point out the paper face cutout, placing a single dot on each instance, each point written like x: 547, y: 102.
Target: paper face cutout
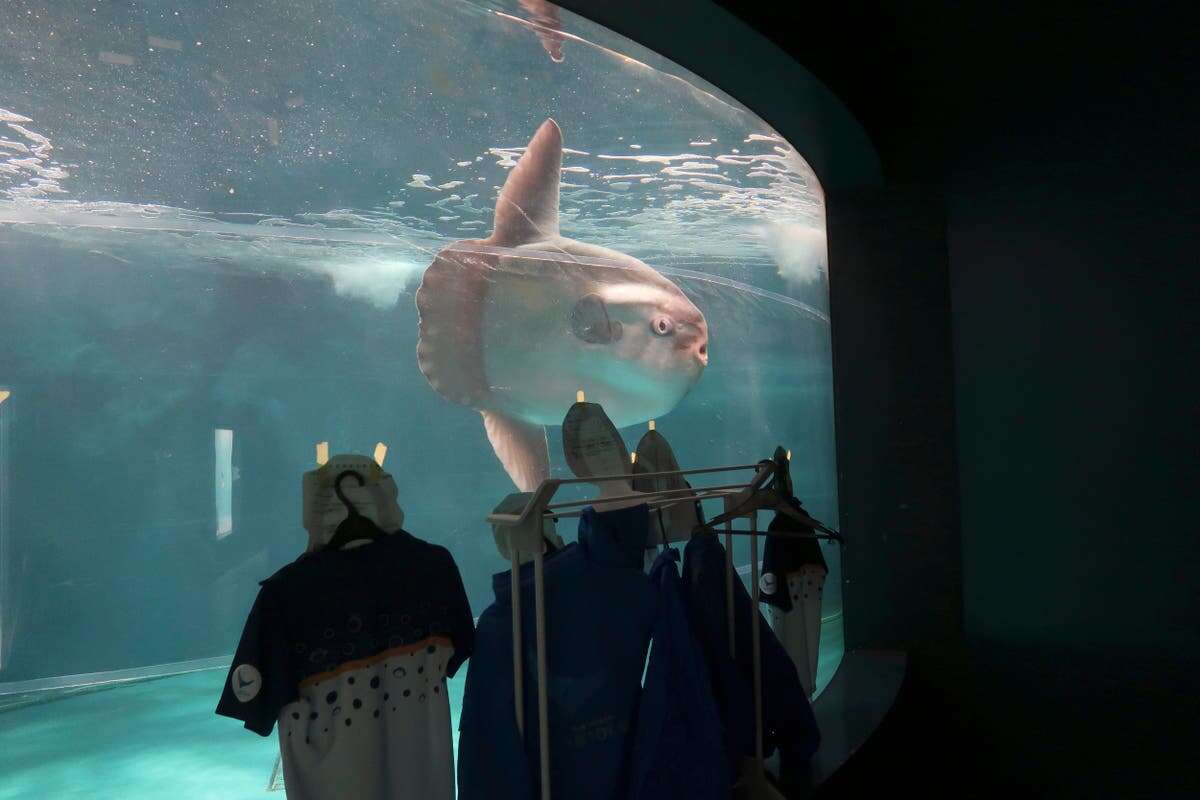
x: 591, y: 443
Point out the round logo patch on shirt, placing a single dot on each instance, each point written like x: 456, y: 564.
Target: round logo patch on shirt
x: 766, y: 583
x: 247, y: 682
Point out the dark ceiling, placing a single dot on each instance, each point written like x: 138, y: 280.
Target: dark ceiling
x: 921, y: 75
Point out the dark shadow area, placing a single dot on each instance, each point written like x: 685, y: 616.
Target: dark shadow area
x: 998, y: 721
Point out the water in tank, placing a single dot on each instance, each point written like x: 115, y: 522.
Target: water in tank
x: 214, y: 221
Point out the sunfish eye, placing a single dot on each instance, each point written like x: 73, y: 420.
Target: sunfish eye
x: 662, y: 326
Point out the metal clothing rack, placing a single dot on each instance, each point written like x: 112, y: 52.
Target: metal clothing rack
x: 523, y: 534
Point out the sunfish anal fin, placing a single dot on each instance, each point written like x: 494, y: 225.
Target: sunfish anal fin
x: 527, y: 209
x: 521, y: 447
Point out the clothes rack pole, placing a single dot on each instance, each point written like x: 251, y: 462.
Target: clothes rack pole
x: 680, y: 494
x: 518, y: 645
x: 758, y: 706
x: 624, y: 476
x: 729, y: 618
x: 653, y: 501
x: 539, y: 601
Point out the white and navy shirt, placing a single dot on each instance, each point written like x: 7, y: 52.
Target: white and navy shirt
x: 349, y: 650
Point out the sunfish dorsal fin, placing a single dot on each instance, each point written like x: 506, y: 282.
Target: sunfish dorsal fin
x: 527, y: 209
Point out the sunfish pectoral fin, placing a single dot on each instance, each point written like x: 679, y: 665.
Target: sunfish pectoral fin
x: 521, y: 447
x: 590, y: 321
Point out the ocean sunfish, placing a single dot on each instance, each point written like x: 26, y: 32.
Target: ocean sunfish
x: 513, y: 325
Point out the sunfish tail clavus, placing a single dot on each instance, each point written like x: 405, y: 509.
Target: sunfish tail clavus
x: 513, y: 325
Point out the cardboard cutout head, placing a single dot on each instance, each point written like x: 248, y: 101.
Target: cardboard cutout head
x: 376, y: 500
x: 504, y: 535
x: 592, y: 444
x: 676, y: 522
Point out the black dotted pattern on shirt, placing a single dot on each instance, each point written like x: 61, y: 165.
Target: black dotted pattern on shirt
x: 397, y: 671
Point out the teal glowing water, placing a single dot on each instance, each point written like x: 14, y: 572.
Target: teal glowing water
x: 211, y: 229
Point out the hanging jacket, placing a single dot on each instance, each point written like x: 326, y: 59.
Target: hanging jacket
x: 783, y: 556
x: 788, y: 721
x: 793, y: 582
x: 679, y: 750
x: 600, y: 611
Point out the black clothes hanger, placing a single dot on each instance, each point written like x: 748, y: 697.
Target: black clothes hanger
x: 783, y: 482
x: 792, y: 505
x: 754, y: 497
x: 355, y: 526
x: 770, y: 490
x: 783, y: 471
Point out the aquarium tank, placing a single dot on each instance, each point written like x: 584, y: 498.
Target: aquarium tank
x: 215, y: 219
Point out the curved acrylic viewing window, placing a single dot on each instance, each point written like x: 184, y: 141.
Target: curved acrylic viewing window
x: 213, y: 228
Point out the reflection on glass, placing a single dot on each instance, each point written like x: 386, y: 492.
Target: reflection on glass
x: 224, y: 481
x: 5, y: 563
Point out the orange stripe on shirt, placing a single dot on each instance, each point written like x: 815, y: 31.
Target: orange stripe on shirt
x: 375, y: 659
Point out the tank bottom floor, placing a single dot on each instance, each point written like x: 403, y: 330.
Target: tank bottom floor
x: 159, y: 739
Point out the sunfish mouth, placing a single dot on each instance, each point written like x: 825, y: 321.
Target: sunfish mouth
x: 697, y: 346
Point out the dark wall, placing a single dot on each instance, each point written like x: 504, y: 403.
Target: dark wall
x: 894, y: 381
x: 1073, y: 258
x: 1063, y: 138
